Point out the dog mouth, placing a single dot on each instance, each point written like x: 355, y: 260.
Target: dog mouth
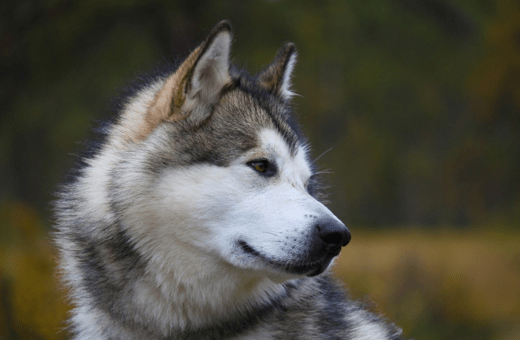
x: 307, y: 268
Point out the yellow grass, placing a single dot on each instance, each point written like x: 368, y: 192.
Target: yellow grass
x: 439, y: 284
x: 461, y: 284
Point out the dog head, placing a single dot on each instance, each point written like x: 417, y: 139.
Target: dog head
x: 226, y: 169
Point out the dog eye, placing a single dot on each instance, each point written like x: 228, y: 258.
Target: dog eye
x: 263, y: 166
x: 259, y: 166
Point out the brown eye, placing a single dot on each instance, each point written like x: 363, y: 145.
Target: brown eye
x: 263, y: 167
x: 259, y: 166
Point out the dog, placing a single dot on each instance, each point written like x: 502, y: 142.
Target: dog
x: 199, y: 215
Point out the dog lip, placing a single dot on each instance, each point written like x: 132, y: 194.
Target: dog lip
x: 334, y: 251
x: 248, y: 249
x: 307, y: 269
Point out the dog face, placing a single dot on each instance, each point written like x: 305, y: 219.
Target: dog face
x: 273, y: 223
x: 228, y: 171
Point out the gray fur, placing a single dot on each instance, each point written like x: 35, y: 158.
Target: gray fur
x: 122, y: 289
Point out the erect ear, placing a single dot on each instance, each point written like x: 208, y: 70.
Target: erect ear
x: 194, y: 88
x: 208, y: 75
x: 277, y: 77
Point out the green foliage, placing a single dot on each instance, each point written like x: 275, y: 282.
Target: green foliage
x: 416, y: 98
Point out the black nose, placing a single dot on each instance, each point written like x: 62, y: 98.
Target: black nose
x: 333, y: 232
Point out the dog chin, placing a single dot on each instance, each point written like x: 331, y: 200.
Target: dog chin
x: 321, y: 268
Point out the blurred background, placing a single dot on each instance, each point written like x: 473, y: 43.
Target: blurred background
x: 414, y: 105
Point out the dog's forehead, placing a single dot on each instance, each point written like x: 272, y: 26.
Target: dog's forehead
x: 273, y: 144
x: 248, y: 110
x: 247, y: 120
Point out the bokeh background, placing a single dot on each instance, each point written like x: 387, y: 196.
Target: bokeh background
x: 414, y: 105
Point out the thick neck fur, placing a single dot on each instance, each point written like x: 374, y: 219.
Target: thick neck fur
x: 188, y: 299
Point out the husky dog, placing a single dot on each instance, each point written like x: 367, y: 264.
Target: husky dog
x: 199, y: 215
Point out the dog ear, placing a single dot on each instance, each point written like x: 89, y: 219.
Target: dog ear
x: 208, y: 75
x: 277, y: 77
x: 194, y: 88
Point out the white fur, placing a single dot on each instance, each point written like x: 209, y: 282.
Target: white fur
x: 285, y: 89
x: 366, y: 330
x: 187, y: 224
